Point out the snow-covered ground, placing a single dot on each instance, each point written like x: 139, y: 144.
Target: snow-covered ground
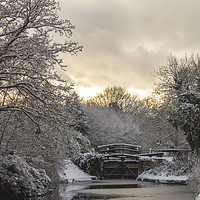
x: 162, y: 178
x: 198, y: 197
x: 163, y: 173
x: 169, y: 159
x: 71, y: 173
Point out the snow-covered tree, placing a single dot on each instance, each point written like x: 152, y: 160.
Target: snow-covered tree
x: 29, y: 54
x: 78, y: 113
x: 180, y: 93
x: 158, y: 132
x: 109, y: 126
x: 37, y: 107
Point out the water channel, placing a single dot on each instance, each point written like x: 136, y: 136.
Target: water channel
x: 121, y: 190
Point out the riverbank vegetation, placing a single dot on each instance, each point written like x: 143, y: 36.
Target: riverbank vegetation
x: 42, y: 118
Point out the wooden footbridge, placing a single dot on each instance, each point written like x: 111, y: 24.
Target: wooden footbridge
x: 122, y: 161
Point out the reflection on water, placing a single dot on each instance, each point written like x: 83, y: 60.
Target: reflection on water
x: 146, y: 190
x: 68, y: 192
x: 90, y: 196
x: 65, y: 192
x: 118, y: 186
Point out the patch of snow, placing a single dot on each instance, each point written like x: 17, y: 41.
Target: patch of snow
x: 71, y: 173
x: 169, y: 159
x: 166, y: 172
x: 198, y: 197
x: 163, y: 178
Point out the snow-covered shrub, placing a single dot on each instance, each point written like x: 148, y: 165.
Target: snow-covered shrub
x: 194, y: 177
x: 18, y: 179
x: 78, y: 143
x: 182, y: 164
x: 89, y: 162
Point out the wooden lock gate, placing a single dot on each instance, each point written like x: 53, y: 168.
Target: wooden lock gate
x: 120, y: 161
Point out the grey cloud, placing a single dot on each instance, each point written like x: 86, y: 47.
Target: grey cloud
x: 125, y: 41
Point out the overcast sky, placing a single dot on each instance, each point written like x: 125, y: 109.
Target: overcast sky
x: 125, y: 41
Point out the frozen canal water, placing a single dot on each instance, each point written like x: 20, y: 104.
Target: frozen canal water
x: 125, y: 190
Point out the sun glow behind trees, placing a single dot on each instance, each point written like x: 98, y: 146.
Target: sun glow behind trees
x: 88, y: 92
x: 141, y: 93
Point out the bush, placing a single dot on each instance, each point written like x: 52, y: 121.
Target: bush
x: 89, y: 162
x: 194, y: 178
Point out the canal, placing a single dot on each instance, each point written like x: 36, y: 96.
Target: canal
x: 122, y: 190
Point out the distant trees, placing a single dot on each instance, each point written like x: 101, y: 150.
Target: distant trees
x: 118, y: 98
x: 109, y: 126
x: 179, y: 88
x: 109, y: 116
x: 117, y: 116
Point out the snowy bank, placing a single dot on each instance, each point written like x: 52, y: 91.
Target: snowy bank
x: 153, y: 158
x: 198, y: 197
x: 71, y: 173
x: 163, y: 178
x: 166, y: 171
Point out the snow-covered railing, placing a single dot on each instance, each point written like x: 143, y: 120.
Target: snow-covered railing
x: 119, y: 148
x: 119, y: 144
x: 121, y: 155
x: 170, y: 150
